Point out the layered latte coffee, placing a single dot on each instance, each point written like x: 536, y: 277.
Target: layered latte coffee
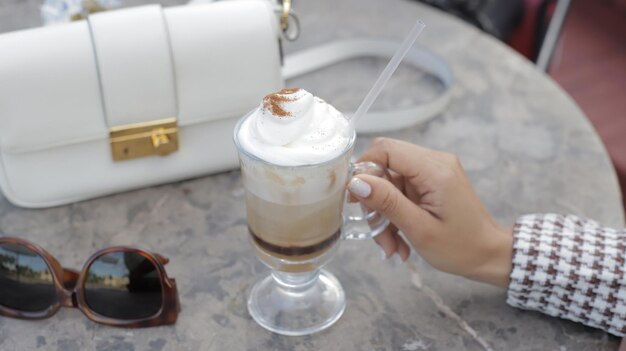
x: 294, y: 171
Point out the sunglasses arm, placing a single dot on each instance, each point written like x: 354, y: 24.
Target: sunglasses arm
x: 162, y: 259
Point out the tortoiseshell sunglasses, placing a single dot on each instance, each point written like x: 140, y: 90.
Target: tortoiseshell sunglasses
x: 118, y: 286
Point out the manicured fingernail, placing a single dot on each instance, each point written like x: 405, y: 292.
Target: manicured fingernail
x: 359, y: 187
x: 397, y: 261
x: 383, y: 254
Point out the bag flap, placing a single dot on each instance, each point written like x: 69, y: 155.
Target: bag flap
x: 134, y: 64
x: 49, y: 92
x: 71, y: 83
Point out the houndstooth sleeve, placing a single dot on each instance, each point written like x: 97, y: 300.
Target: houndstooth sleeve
x: 572, y: 268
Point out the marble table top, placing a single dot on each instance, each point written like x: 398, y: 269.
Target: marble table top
x: 524, y: 143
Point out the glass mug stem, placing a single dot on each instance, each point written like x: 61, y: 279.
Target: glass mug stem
x: 295, y: 282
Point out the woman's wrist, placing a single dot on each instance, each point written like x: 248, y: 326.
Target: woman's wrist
x: 499, y: 253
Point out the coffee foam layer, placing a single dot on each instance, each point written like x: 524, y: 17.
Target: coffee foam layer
x: 292, y: 128
x: 295, y: 186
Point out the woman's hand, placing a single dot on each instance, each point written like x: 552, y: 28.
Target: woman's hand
x: 432, y: 202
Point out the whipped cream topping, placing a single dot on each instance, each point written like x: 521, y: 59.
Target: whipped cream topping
x: 292, y: 127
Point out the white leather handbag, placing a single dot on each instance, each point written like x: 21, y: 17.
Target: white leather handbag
x: 146, y: 95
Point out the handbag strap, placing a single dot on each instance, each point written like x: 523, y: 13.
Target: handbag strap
x: 325, y: 55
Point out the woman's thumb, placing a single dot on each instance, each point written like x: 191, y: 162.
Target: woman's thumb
x: 379, y: 194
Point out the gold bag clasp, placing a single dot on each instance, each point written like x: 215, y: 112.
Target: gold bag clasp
x: 144, y: 139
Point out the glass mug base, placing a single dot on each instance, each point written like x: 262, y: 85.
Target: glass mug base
x: 297, y: 304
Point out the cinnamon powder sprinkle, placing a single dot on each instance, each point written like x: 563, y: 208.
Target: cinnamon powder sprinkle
x: 274, y: 102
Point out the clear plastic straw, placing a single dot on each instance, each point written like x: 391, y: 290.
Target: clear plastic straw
x: 387, y: 72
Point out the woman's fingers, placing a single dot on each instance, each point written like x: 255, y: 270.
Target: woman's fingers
x: 403, y: 249
x: 400, y: 156
x: 391, y: 243
x: 387, y: 242
x: 381, y: 195
x: 397, y: 180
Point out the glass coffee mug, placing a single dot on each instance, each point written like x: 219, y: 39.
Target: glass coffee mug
x: 297, y: 216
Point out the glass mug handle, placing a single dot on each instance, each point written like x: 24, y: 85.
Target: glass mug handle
x: 359, y: 222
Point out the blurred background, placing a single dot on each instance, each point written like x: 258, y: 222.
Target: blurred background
x: 581, y: 44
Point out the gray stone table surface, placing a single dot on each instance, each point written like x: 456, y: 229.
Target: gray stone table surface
x: 525, y: 145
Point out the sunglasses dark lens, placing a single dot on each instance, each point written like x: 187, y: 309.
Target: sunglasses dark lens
x: 123, y: 285
x: 26, y: 282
